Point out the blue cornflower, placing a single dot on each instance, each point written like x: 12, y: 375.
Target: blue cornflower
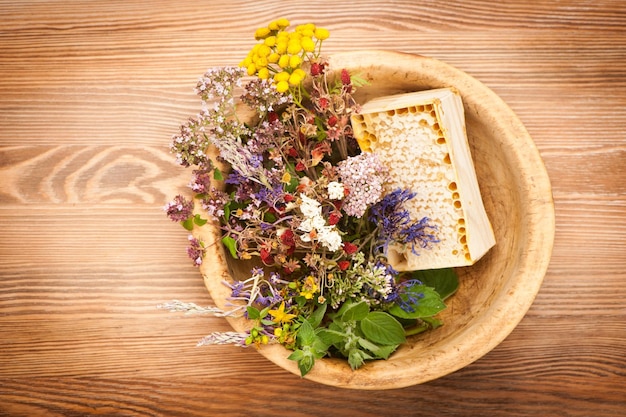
x: 395, y: 223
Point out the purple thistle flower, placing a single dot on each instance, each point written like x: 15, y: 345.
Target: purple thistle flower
x: 395, y: 223
x: 404, y: 297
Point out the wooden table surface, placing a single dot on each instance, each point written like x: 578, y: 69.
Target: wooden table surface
x: 90, y: 95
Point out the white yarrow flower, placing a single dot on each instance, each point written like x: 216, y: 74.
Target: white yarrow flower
x: 335, y: 190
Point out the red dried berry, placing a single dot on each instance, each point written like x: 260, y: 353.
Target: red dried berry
x: 345, y: 77
x: 350, y: 248
x: 332, y: 120
x: 343, y: 265
x: 316, y: 69
x: 334, y: 218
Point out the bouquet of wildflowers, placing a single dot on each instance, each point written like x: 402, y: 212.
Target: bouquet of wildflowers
x: 291, y: 188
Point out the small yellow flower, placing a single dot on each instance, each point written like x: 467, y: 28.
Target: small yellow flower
x: 282, y: 86
x: 261, y: 33
x: 273, y: 58
x: 286, y: 179
x: 294, y: 47
x: 282, y: 23
x: 281, y: 76
x: 295, y: 61
x: 295, y: 79
x: 280, y: 316
x: 251, y: 69
x: 264, y: 50
x: 321, y: 33
x: 270, y: 41
x: 278, y: 24
x: 281, y: 45
x: 283, y: 61
x: 309, y: 288
x: 307, y: 44
x: 263, y: 73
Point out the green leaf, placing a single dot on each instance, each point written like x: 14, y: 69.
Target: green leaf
x: 199, y: 220
x: 231, y: 245
x: 306, y: 334
x: 305, y: 364
x: 353, y: 311
x: 382, y: 352
x: 427, y: 306
x: 188, y: 223
x: 316, y: 317
x: 445, y: 281
x: 385, y: 351
x: 296, y: 355
x: 330, y: 337
x: 227, y: 211
x: 357, y: 80
x: 253, y: 313
x: 382, y: 328
x: 217, y: 174
x: 432, y: 322
x: 356, y: 358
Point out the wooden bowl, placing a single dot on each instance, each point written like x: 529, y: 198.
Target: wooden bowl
x: 496, y: 292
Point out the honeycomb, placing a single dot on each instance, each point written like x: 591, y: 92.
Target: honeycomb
x: 414, y: 143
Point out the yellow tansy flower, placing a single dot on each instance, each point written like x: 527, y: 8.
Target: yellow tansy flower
x: 307, y: 44
x: 321, y: 33
x: 261, y: 33
x: 282, y: 86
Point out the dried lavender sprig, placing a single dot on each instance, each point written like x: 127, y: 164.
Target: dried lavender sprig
x: 224, y: 338
x: 191, y: 308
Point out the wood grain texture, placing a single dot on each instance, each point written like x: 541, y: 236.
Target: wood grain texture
x: 90, y: 94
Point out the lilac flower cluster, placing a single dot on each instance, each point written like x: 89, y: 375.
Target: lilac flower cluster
x: 179, y: 209
x: 196, y: 250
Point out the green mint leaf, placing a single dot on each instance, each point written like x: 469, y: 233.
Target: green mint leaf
x: 306, y: 334
x: 227, y: 211
x: 445, y: 281
x: 427, y: 306
x: 217, y: 175
x: 199, y: 220
x: 382, y: 328
x: 432, y: 322
x: 353, y: 311
x: 382, y: 352
x: 316, y: 318
x: 231, y: 245
x: 355, y: 358
x: 188, y: 223
x: 385, y: 351
x: 296, y: 355
x: 253, y: 313
x: 305, y: 364
x: 330, y: 337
